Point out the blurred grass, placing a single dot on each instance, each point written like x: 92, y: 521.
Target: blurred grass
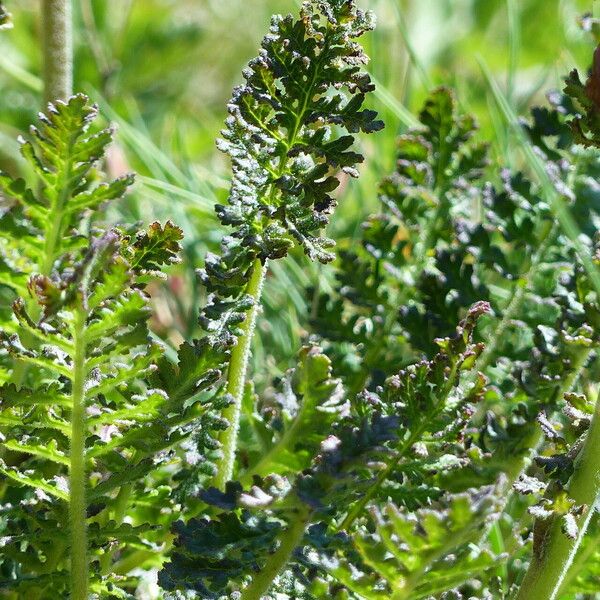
x: 163, y: 71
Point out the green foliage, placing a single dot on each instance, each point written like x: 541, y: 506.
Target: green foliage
x: 78, y: 344
x: 62, y: 153
x: 585, y: 125
x: 403, y: 455
x: 282, y: 138
x: 414, y: 468
x: 416, y: 555
x: 379, y: 446
x: 310, y: 403
x: 437, y: 168
x: 435, y: 249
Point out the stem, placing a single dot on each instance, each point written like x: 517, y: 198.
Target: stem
x: 58, y: 49
x: 236, y: 377
x: 77, y: 483
x: 580, y: 562
x: 554, y: 556
x: 289, y: 540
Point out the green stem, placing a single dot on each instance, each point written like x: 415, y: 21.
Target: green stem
x: 58, y: 49
x: 289, y: 540
x: 77, y: 479
x: 236, y: 377
x: 554, y: 553
x: 582, y: 559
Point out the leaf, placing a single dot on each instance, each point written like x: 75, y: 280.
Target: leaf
x: 199, y: 366
x: 402, y: 555
x: 82, y: 325
x: 586, y: 124
x: 200, y: 562
x: 54, y: 488
x: 403, y: 432
x: 216, y: 554
x: 157, y: 247
x: 61, y: 152
x: 408, y: 264
x: 312, y: 404
x: 306, y: 85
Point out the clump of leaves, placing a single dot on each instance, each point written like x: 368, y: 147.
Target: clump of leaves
x: 116, y: 411
x: 90, y: 411
x: 412, y: 488
x: 395, y: 458
x: 380, y: 446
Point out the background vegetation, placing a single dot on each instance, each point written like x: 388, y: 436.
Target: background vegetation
x: 167, y: 68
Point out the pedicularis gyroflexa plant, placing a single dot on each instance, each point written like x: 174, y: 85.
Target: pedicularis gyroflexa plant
x: 439, y: 435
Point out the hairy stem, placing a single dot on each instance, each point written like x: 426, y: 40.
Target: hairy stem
x: 236, y: 377
x: 555, y: 552
x: 288, y: 541
x: 58, y: 49
x: 77, y: 517
x: 580, y: 562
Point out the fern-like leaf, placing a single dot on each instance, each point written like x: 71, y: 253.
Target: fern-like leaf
x: 92, y: 412
x: 305, y: 86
